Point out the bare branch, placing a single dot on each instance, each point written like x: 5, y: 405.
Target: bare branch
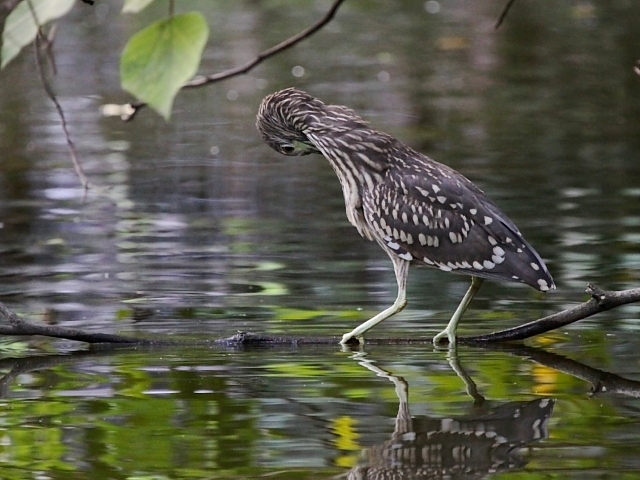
x: 46, y: 48
x: 18, y: 326
x: 601, y: 301
x: 503, y: 15
x: 202, y: 80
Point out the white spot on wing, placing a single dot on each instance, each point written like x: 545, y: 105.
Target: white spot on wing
x: 435, y: 188
x: 535, y: 266
x: 488, y: 265
x: 406, y: 256
x: 453, y: 237
x: 477, y: 265
x: 442, y: 199
x: 423, y: 191
x: 473, y: 211
x: 422, y: 239
x: 488, y: 220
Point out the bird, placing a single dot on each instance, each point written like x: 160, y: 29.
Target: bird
x: 421, y: 212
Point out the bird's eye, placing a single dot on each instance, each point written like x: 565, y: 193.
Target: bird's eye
x: 288, y: 148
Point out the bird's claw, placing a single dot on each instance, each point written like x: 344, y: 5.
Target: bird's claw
x: 451, y: 339
x: 348, y: 338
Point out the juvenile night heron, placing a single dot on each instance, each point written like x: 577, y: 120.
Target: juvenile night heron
x: 418, y: 210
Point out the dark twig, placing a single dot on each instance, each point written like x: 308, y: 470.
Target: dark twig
x: 601, y: 301
x: 503, y: 15
x: 49, y: 91
x: 48, y: 48
x: 202, y: 80
x: 18, y: 326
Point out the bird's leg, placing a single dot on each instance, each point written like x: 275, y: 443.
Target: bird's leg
x: 450, y: 331
x: 401, y: 269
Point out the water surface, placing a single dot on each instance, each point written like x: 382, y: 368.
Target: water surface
x: 195, y: 229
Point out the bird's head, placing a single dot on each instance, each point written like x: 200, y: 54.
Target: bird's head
x: 282, y: 119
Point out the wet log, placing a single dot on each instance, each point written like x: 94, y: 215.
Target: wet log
x: 600, y: 301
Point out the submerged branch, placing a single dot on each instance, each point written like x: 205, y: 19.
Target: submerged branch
x: 600, y: 301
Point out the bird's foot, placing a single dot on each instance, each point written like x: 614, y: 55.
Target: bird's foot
x: 451, y: 338
x: 350, y: 338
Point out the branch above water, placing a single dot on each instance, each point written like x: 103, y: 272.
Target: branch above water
x: 129, y: 111
x: 600, y: 301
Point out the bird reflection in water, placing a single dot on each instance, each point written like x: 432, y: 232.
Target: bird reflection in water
x: 469, y: 447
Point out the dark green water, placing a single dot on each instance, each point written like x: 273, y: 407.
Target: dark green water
x: 196, y: 229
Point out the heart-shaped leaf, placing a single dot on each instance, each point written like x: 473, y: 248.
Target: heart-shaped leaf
x: 158, y: 60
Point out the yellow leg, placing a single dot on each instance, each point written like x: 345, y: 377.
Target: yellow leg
x: 401, y: 268
x: 450, y: 331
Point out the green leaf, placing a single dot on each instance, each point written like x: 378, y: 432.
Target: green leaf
x: 158, y: 60
x: 20, y: 28
x: 134, y: 6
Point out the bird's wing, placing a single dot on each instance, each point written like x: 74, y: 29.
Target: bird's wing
x: 429, y: 213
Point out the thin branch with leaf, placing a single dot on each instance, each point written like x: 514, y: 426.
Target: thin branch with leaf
x: 128, y: 111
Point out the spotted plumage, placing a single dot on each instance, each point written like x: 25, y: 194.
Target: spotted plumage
x: 418, y: 210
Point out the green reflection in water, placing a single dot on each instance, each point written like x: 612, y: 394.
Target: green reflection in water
x: 300, y: 413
